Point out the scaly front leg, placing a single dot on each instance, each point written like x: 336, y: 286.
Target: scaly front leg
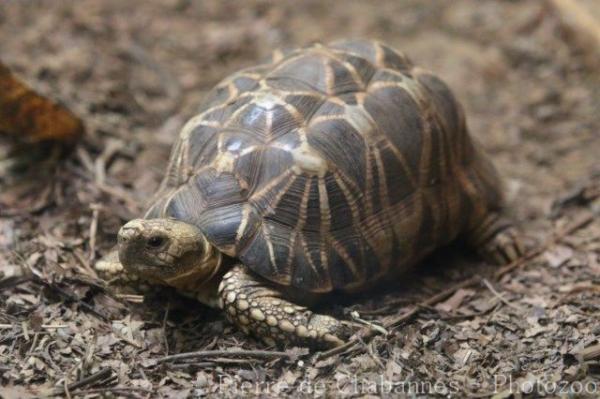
x: 110, y: 269
x: 258, y: 307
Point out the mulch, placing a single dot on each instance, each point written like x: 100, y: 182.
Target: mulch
x: 135, y: 71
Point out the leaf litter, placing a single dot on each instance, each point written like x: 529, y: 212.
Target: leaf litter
x: 454, y: 327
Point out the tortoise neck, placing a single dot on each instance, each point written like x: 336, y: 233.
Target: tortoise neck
x: 200, y: 275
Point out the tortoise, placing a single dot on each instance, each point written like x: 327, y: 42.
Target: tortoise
x: 325, y: 169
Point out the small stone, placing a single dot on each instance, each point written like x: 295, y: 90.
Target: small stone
x: 288, y: 309
x: 271, y: 320
x: 243, y: 320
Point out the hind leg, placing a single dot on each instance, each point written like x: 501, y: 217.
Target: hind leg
x: 496, y: 239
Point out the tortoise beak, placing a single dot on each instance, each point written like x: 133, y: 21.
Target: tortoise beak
x: 130, y: 244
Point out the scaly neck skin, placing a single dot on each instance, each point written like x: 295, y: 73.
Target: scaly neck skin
x: 200, y: 282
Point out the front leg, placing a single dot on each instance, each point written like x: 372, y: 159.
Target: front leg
x: 110, y: 269
x: 258, y: 307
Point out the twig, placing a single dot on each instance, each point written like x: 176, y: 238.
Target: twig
x: 13, y: 281
x: 101, y: 376
x: 134, y: 298
x: 394, y: 322
x: 433, y: 300
x: 92, y: 378
x: 93, y: 230
x: 258, y: 354
x: 119, y: 390
x: 45, y: 326
x: 66, y: 390
x: 219, y: 361
x: 590, y: 353
x: 499, y: 296
x: 356, y: 316
x: 555, y: 238
x: 468, y: 315
x: 385, y: 309
x: 164, y: 328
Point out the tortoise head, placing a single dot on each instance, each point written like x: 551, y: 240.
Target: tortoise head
x: 167, y: 251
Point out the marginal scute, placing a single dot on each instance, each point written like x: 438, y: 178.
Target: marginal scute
x: 309, y: 70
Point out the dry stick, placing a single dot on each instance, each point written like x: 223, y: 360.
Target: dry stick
x: 13, y: 281
x: 45, y: 326
x: 93, y: 231
x: 119, y: 390
x: 590, y: 353
x: 100, y: 375
x: 395, y: 321
x: 499, y: 296
x: 579, y: 223
x: 259, y: 354
x: 164, y: 328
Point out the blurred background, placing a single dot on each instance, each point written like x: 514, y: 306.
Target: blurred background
x: 135, y: 71
x: 527, y: 72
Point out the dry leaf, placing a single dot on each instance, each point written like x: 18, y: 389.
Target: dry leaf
x: 31, y: 117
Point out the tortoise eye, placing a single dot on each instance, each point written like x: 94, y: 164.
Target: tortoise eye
x: 155, y: 241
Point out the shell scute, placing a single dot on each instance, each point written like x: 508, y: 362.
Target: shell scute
x: 324, y: 168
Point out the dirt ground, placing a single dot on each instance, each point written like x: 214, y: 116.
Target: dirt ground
x: 135, y: 71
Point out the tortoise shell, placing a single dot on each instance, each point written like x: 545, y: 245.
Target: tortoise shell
x: 326, y: 167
